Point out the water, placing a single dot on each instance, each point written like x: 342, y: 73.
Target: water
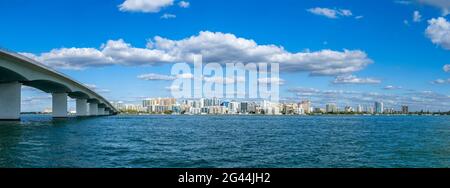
x: 227, y: 141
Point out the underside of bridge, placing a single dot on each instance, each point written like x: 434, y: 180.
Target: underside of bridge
x: 11, y: 83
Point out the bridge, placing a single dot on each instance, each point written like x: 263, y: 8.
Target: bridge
x: 17, y: 70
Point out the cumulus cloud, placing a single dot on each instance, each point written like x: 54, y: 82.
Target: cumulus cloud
x: 330, y: 13
x: 446, y: 68
x: 214, y: 47
x: 351, y: 79
x: 72, y: 58
x: 211, y: 79
x: 438, y: 31
x: 184, y: 4
x: 417, y: 17
x: 146, y: 6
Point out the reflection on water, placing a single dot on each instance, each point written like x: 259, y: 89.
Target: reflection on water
x: 226, y: 141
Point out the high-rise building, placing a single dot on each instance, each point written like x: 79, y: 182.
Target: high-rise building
x: 405, y: 109
x: 331, y: 108
x: 159, y: 102
x: 319, y: 110
x: 159, y: 105
x: 379, y: 109
x: 251, y: 108
x: 306, y: 105
x: 234, y: 107
x: 359, y: 109
x: 244, y: 107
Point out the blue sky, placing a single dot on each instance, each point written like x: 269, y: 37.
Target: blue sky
x: 407, y: 53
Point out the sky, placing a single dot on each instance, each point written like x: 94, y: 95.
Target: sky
x: 329, y: 51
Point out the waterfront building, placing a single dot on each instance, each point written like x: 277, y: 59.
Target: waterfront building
x: 405, y: 109
x: 159, y: 109
x: 119, y: 105
x: 306, y: 105
x: 225, y: 103
x: 379, y: 109
x: 370, y: 110
x: 204, y: 110
x: 244, y: 108
x: 176, y: 109
x: 270, y: 108
x: 348, y: 109
x: 300, y: 111
x: 251, y: 107
x: 389, y: 110
x: 331, y: 108
x: 359, y: 109
x: 319, y: 110
x: 159, y: 102
x: 159, y: 105
x: 289, y: 108
x: 234, y: 107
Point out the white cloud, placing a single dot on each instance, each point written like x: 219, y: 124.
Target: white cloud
x: 417, y: 17
x: 438, y: 31
x: 184, y: 4
x: 185, y: 76
x: 97, y: 89
x: 351, y: 79
x: 214, y: 47
x: 227, y: 48
x: 330, y: 13
x: 168, y: 16
x: 153, y: 76
x: 444, y: 5
x: 390, y: 87
x: 213, y: 79
x: 441, y: 81
x: 173, y: 88
x: 147, y: 6
x: 72, y: 58
x: 223, y: 80
x: 270, y: 81
x: 446, y: 68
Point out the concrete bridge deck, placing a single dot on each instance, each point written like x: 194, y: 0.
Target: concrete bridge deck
x: 17, y: 70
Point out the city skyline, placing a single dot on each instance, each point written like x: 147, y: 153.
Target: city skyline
x: 346, y: 53
x: 213, y: 106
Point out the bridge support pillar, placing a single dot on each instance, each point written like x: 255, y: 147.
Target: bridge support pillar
x: 81, y: 105
x: 93, y: 109
x: 101, y: 111
x: 59, y: 105
x: 10, y: 98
